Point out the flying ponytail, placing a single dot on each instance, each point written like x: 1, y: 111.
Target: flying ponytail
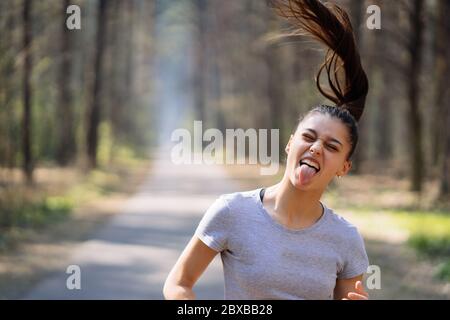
x: 330, y: 25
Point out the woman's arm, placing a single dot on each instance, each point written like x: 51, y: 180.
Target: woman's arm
x: 186, y: 271
x: 350, y: 289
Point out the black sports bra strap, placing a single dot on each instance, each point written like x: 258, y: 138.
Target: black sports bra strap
x: 261, y: 194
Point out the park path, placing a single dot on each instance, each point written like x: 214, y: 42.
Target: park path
x: 130, y: 256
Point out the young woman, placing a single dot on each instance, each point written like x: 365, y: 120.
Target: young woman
x: 282, y: 242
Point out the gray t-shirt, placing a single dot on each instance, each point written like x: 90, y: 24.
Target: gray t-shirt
x: 263, y: 259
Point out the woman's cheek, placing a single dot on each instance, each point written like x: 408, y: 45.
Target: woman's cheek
x: 328, y: 172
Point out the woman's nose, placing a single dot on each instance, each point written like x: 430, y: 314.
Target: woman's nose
x: 315, y: 148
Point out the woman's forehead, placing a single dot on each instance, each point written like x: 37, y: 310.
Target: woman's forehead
x: 323, y: 124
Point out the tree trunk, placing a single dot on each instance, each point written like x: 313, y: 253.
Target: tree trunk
x: 214, y: 72
x: 66, y: 148
x: 415, y: 121
x: 199, y: 58
x: 8, y: 124
x: 444, y: 105
x: 116, y: 94
x: 358, y: 157
x: 27, y: 70
x: 225, y: 67
x: 356, y: 9
x: 94, y: 112
x: 275, y: 92
x: 442, y: 69
x: 444, y: 190
x: 384, y: 129
x: 129, y: 66
x: 384, y: 115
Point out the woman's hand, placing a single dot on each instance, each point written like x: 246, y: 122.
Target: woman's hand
x: 359, y: 293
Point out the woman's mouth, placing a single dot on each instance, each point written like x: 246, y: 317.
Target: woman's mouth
x: 308, y: 168
x: 310, y: 163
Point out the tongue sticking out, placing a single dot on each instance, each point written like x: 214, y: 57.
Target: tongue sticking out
x: 306, y: 174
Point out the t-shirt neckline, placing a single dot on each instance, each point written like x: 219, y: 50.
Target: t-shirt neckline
x: 278, y: 225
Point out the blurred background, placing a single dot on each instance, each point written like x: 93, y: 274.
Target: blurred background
x: 86, y: 117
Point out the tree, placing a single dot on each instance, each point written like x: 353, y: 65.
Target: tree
x: 444, y: 190
x: 199, y: 58
x: 66, y: 148
x: 442, y: 115
x: 415, y: 123
x: 441, y: 69
x: 356, y: 15
x: 26, y: 85
x: 275, y: 88
x: 384, y: 115
x: 94, y: 108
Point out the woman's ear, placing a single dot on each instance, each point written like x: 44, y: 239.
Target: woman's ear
x: 288, y: 146
x: 345, y: 168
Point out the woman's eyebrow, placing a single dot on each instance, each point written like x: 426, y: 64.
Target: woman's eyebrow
x: 315, y: 133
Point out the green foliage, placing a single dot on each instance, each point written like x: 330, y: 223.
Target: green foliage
x: 427, y: 223
x: 112, y: 153
x: 430, y: 245
x: 23, y: 210
x: 444, y: 271
x: 37, y: 214
x: 428, y: 232
x: 429, y: 236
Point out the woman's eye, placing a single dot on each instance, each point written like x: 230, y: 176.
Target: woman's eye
x: 332, y: 147
x: 308, y: 137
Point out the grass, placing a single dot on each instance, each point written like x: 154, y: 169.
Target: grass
x: 444, y: 271
x: 430, y: 237
x: 428, y: 232
x: 56, y: 193
x: 431, y: 245
x: 35, y: 215
x: 31, y: 215
x: 387, y: 207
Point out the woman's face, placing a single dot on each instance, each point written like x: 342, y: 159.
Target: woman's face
x: 317, y: 152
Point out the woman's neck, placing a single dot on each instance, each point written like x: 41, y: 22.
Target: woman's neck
x: 292, y: 207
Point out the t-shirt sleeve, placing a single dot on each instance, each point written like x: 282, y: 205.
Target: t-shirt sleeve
x: 355, y: 257
x: 213, y: 227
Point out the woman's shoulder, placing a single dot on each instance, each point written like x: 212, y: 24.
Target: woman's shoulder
x: 342, y: 225
x: 240, y: 198
x: 230, y: 207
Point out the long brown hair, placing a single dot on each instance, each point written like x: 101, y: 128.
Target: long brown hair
x: 330, y: 25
